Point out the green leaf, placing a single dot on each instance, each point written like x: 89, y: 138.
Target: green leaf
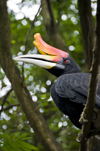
x: 15, y: 142
x: 8, y: 145
x: 22, y: 136
x: 4, y: 148
x: 27, y: 145
x: 15, y: 146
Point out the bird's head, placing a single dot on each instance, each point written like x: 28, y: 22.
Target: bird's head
x: 54, y: 60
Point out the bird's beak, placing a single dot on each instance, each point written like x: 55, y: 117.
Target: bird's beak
x: 46, y: 49
x: 49, y: 58
x: 44, y: 61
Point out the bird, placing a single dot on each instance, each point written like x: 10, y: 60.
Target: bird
x: 70, y: 90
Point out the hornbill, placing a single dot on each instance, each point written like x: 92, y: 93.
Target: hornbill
x: 69, y: 91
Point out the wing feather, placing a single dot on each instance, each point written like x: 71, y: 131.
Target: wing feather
x: 75, y: 87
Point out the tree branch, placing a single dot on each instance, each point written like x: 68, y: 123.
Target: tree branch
x: 93, y: 84
x: 27, y: 37
x: 5, y: 97
x: 51, y: 26
x: 36, y: 120
x: 88, y: 33
x: 28, y: 33
x: 53, y: 23
x: 8, y: 107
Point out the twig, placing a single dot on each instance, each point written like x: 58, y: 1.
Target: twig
x: 5, y: 97
x: 26, y: 41
x: 93, y: 84
x: 28, y: 33
x: 8, y: 107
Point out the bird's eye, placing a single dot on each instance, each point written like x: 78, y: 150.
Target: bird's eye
x: 66, y: 61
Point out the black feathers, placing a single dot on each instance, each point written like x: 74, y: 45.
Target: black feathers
x: 69, y: 93
x: 75, y: 87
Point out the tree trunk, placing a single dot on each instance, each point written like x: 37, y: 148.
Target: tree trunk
x: 88, y: 30
x: 94, y: 144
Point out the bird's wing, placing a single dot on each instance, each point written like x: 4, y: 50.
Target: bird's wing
x: 75, y: 87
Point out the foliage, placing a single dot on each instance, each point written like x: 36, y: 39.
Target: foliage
x: 15, y: 141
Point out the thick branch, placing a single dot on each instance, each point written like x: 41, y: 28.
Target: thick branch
x: 87, y: 26
x: 51, y: 26
x: 93, y: 83
x: 30, y: 109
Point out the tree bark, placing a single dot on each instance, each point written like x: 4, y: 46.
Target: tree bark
x: 93, y: 84
x: 30, y: 109
x: 94, y: 144
x: 88, y: 30
x: 51, y: 26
